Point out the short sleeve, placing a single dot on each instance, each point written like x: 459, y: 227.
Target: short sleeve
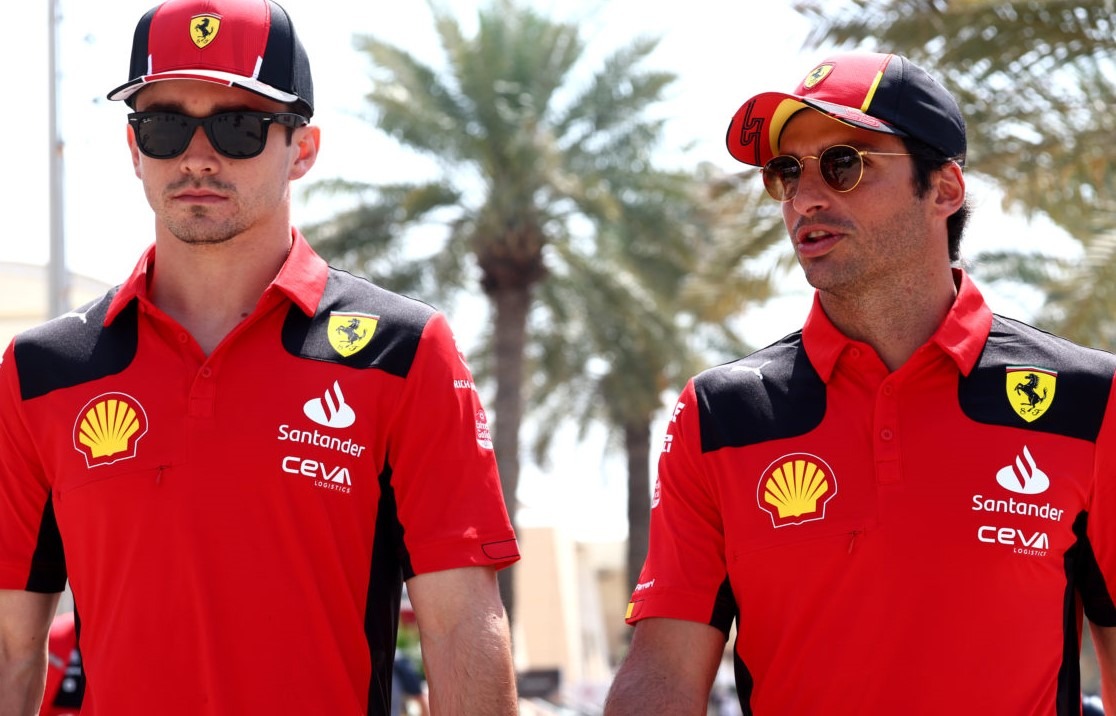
x: 30, y: 546
x: 684, y: 576
x: 443, y: 469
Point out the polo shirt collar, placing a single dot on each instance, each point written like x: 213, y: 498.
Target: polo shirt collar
x: 302, y: 279
x: 961, y: 336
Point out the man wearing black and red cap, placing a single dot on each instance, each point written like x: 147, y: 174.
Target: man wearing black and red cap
x: 906, y: 506
x: 238, y: 455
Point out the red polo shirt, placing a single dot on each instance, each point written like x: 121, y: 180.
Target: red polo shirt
x: 236, y: 526
x: 917, y: 541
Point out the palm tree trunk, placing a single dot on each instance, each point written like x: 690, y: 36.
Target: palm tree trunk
x: 510, y: 304
x: 637, y: 445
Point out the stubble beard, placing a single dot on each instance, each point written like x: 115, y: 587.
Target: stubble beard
x: 199, y: 229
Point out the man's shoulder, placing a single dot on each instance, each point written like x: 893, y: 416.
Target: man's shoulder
x: 1030, y: 379
x: 770, y: 394
x: 1013, y: 341
x: 359, y: 324
x: 76, y: 347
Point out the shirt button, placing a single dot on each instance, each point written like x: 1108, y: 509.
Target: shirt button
x: 206, y: 372
x: 182, y: 337
x: 889, y: 390
x: 855, y: 352
x: 886, y: 434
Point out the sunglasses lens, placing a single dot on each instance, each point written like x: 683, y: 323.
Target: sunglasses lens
x: 780, y: 177
x: 237, y: 134
x: 162, y: 134
x: 841, y: 167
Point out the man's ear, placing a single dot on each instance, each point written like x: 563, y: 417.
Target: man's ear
x: 306, y: 140
x: 949, y: 189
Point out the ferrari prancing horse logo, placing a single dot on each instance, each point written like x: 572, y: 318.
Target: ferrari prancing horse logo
x: 1030, y: 390
x: 203, y: 29
x: 350, y: 332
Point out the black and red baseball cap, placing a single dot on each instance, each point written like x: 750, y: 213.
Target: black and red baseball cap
x: 879, y: 92
x: 238, y: 43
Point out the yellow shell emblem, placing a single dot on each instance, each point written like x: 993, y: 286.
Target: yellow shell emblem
x: 1030, y: 390
x: 350, y: 332
x: 203, y: 29
x: 108, y: 428
x: 795, y: 489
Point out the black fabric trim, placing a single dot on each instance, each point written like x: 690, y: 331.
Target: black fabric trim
x: 1081, y: 391
x: 391, y: 564
x: 724, y: 608
x: 1068, y: 698
x: 76, y: 348
x: 393, y: 345
x: 48, y: 562
x: 739, y: 408
x: 745, y: 684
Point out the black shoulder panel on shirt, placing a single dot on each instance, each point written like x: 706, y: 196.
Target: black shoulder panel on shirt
x: 394, y: 341
x: 76, y: 348
x: 1076, y: 401
x: 774, y: 393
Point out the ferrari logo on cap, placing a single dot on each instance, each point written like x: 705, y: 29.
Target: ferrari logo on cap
x: 203, y: 29
x: 1030, y: 390
x: 350, y: 332
x: 816, y: 75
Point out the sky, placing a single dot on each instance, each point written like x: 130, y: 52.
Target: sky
x: 723, y: 52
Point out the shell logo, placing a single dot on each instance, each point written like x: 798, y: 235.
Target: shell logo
x: 795, y: 489
x: 109, y: 428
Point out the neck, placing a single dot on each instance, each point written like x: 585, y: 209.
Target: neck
x: 210, y: 288
x: 897, y: 320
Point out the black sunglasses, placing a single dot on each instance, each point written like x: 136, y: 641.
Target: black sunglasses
x: 237, y: 135
x: 841, y: 167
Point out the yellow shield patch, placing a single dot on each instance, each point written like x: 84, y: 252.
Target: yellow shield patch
x: 1030, y: 390
x: 350, y: 332
x: 816, y: 75
x: 203, y: 29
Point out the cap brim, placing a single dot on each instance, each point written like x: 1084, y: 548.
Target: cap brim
x: 227, y: 79
x: 753, y: 134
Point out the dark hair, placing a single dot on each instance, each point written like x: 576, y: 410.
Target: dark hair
x: 926, y: 161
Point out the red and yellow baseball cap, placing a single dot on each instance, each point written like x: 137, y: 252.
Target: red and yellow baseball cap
x: 879, y: 92
x: 238, y: 43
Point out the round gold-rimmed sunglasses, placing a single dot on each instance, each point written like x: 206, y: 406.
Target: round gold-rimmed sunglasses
x: 841, y: 167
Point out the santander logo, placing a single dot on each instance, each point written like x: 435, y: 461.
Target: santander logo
x: 330, y: 410
x: 1024, y: 479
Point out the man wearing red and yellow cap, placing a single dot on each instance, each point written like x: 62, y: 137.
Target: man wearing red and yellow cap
x: 907, y: 506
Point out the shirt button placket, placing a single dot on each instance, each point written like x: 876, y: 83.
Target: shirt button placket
x: 886, y: 437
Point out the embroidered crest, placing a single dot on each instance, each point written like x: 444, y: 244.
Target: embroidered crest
x: 1030, y: 390
x: 203, y: 29
x: 350, y: 332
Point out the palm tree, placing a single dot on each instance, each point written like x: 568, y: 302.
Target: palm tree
x: 1035, y: 82
x: 529, y: 164
x: 648, y: 308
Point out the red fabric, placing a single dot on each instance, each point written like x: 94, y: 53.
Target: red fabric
x: 917, y: 584
x: 224, y: 557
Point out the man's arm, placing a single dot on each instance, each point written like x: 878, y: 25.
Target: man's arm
x: 465, y: 642
x: 669, y: 669
x: 1104, y: 641
x: 24, y: 627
